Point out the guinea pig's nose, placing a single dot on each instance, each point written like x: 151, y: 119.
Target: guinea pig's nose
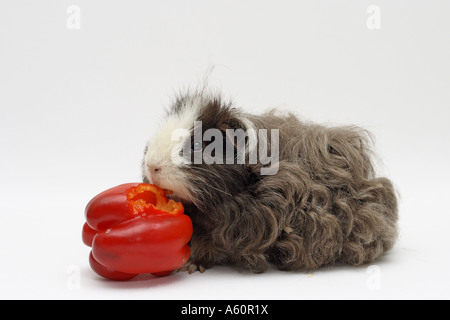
x: 154, y: 169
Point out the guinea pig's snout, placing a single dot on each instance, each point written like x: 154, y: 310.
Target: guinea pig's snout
x: 154, y: 174
x: 154, y: 169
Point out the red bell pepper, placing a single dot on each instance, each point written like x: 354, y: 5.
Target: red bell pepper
x: 134, y: 228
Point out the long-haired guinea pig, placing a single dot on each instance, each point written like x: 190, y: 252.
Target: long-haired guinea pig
x: 318, y: 202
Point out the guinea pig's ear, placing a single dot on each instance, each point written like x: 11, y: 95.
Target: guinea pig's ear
x: 230, y: 124
x: 238, y: 136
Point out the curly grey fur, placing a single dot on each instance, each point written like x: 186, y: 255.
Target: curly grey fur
x: 325, y: 204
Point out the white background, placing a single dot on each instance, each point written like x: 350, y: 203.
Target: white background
x: 77, y: 107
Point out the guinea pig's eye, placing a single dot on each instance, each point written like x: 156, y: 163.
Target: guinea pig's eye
x: 197, y: 146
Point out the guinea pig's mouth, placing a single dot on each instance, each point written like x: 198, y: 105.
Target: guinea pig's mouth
x: 177, y: 198
x: 171, y: 195
x: 174, y: 189
x: 176, y: 194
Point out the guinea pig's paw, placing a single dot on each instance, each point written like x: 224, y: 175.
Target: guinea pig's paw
x: 191, y: 267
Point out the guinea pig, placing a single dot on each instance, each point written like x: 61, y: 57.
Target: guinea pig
x: 317, y: 203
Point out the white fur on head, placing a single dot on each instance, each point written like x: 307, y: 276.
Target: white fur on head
x: 163, y: 149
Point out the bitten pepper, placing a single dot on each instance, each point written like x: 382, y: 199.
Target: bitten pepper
x: 134, y: 228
